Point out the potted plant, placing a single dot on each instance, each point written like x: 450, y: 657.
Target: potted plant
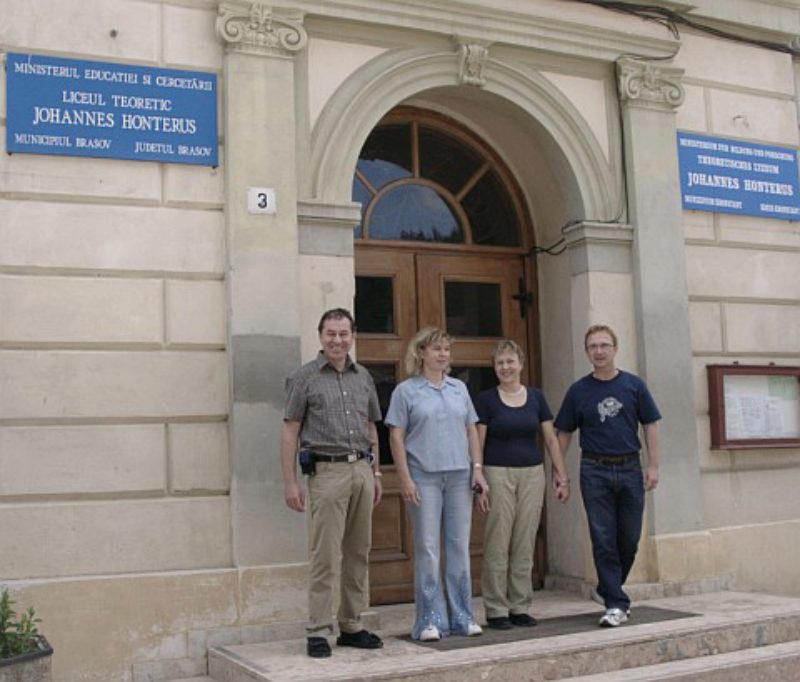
x: 25, y: 655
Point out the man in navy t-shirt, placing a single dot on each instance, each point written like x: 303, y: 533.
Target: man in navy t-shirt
x: 607, y: 406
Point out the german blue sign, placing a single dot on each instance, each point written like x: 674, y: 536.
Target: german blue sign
x: 730, y: 176
x: 72, y: 107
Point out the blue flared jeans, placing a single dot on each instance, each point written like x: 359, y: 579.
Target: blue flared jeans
x: 443, y: 518
x: 613, y: 496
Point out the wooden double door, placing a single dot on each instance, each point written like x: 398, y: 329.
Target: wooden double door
x: 478, y: 299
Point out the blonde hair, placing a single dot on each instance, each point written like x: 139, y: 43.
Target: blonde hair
x: 422, y: 339
x: 508, y: 346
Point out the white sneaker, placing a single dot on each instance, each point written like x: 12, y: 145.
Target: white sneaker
x: 595, y: 596
x: 430, y: 634
x: 474, y: 630
x: 612, y: 618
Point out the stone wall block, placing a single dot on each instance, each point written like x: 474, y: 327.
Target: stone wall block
x: 38, y: 235
x: 276, y: 593
x: 64, y: 384
x: 692, y: 113
x: 198, y: 457
x: 260, y: 283
x: 190, y: 37
x: 753, y: 494
x: 75, y: 177
x: 81, y: 310
x: 192, y: 185
x: 742, y: 273
x: 114, y: 537
x: 196, y: 313
x: 737, y: 551
x: 759, y: 231
x: 766, y: 119
x: 705, y: 322
x: 735, y: 64
x: 699, y: 225
x: 123, y: 618
x: 136, y: 24
x: 77, y: 460
x: 760, y: 328
x: 167, y: 670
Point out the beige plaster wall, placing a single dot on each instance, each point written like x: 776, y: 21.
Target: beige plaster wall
x: 113, y: 410
x: 744, y: 307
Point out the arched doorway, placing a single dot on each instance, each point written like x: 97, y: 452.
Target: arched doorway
x: 442, y: 241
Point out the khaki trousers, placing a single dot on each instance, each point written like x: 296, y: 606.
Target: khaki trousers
x: 516, y: 495
x: 340, y: 502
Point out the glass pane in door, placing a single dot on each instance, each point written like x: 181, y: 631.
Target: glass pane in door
x: 473, y: 309
x: 375, y: 305
x: 477, y: 379
x: 385, y: 378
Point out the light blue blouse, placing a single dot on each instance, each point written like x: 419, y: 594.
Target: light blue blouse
x: 435, y: 420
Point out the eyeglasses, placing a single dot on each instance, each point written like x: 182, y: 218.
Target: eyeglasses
x: 599, y: 346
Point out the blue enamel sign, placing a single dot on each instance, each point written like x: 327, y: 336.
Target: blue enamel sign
x: 730, y: 176
x: 72, y: 107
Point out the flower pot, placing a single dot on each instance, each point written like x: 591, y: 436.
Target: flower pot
x: 35, y: 666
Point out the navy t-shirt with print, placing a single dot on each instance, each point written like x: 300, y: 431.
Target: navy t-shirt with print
x: 608, y: 413
x: 512, y: 432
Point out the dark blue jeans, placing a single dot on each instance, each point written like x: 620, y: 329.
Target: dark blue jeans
x: 613, y: 496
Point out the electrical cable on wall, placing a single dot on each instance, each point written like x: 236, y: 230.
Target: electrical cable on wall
x: 671, y: 20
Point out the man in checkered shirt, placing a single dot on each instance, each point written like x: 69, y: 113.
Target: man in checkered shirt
x: 331, y: 410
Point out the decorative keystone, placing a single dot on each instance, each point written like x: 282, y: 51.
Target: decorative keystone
x: 473, y: 58
x: 258, y: 29
x: 646, y: 85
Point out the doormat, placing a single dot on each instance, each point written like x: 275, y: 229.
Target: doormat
x: 551, y: 627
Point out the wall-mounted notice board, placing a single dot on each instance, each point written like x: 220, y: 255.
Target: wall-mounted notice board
x: 754, y: 406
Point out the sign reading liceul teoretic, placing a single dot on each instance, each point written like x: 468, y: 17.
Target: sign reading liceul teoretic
x: 71, y: 107
x: 730, y: 176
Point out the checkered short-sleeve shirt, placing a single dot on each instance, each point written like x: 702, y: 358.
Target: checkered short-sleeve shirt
x: 334, y: 408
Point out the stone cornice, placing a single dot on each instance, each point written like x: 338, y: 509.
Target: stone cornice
x: 598, y: 233
x: 599, y: 247
x: 315, y: 211
x: 256, y: 28
x: 644, y: 84
x: 487, y: 23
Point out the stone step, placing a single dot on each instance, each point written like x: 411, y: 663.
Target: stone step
x: 709, y: 626
x: 772, y: 663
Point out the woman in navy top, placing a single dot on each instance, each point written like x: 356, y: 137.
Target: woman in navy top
x: 511, y: 417
x: 434, y: 441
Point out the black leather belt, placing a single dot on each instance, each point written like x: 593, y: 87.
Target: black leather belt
x: 349, y: 457
x: 609, y: 459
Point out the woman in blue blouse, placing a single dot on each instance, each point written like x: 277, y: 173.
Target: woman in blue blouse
x: 511, y: 417
x: 435, y: 449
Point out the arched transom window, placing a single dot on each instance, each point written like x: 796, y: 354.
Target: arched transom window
x: 421, y: 177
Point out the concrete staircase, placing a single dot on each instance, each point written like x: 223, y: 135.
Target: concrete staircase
x: 723, y: 636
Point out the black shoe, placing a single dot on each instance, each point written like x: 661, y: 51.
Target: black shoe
x: 522, y: 620
x: 499, y: 623
x: 360, y: 640
x: 318, y: 647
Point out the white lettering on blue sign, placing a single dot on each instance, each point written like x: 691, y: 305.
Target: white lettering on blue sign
x: 731, y: 176
x: 80, y: 108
